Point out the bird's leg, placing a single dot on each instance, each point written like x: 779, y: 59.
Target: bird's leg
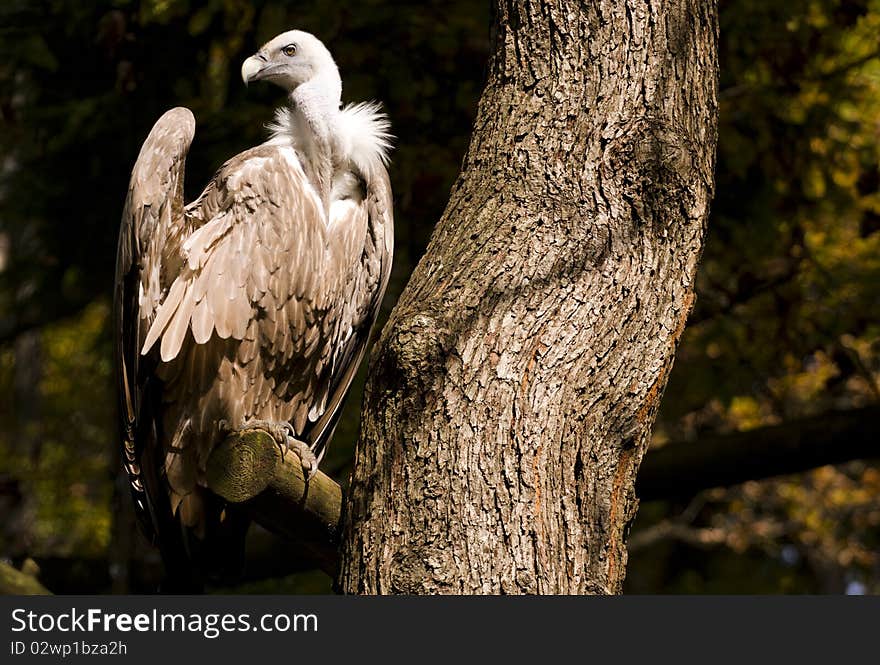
x: 285, y: 437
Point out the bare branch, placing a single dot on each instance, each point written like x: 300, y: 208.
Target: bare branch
x: 703, y: 538
x: 679, y: 470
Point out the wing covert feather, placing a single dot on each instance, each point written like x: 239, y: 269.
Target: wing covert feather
x: 247, y: 257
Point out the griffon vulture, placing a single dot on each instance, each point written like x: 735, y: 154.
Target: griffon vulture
x: 252, y: 305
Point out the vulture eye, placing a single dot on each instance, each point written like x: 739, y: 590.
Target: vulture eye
x: 289, y: 50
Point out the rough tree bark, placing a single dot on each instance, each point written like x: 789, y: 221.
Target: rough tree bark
x: 512, y: 392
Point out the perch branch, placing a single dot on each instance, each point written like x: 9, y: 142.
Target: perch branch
x: 680, y: 470
x: 248, y: 468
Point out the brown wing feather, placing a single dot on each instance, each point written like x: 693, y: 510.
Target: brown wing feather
x: 366, y: 284
x: 153, y: 222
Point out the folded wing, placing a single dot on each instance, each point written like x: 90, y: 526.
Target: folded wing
x: 153, y: 223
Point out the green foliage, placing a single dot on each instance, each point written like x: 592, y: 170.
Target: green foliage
x: 64, y: 463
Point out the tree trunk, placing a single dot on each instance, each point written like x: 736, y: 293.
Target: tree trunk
x: 513, y: 390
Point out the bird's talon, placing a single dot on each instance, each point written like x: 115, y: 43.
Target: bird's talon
x: 284, y: 436
x: 306, y: 457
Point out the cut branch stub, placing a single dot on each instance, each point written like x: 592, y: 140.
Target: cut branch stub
x: 248, y: 468
x: 242, y: 466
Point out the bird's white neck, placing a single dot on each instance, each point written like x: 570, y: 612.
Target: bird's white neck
x: 317, y: 102
x: 315, y: 106
x: 328, y: 139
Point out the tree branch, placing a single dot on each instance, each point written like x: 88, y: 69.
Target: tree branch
x: 697, y: 537
x: 248, y: 468
x: 679, y: 470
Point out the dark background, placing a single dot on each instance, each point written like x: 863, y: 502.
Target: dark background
x: 786, y: 319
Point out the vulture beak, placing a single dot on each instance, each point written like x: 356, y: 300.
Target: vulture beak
x: 253, y: 68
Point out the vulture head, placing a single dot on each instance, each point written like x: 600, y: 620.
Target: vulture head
x: 292, y: 59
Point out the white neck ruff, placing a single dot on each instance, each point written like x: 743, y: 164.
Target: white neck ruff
x: 359, y: 136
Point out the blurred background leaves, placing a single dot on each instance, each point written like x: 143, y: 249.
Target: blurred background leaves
x: 786, y: 321
x: 785, y: 325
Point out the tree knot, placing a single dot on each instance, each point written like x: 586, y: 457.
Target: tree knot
x: 654, y: 170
